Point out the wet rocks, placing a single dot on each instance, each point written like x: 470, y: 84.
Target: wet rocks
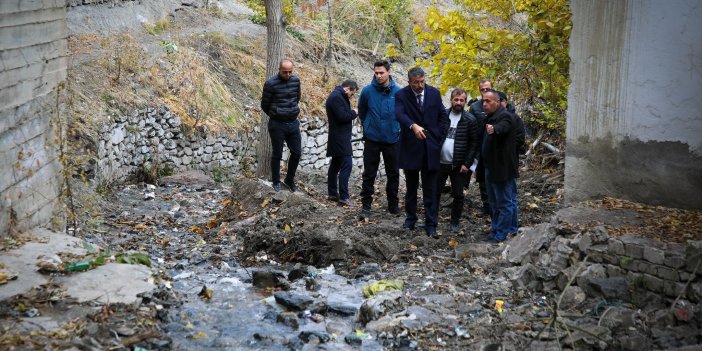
x: 293, y: 300
x: 382, y: 303
x: 269, y: 279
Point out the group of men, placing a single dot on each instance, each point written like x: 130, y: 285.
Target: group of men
x: 412, y: 130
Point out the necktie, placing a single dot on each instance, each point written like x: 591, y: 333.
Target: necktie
x: 419, y: 101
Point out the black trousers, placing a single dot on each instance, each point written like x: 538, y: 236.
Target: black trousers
x: 288, y: 133
x: 429, y: 196
x: 458, y: 180
x: 371, y: 161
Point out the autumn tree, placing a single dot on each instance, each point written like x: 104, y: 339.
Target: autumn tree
x: 521, y: 45
x: 275, y: 30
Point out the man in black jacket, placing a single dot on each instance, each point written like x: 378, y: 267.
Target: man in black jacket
x: 457, y: 153
x: 280, y: 101
x: 476, y: 108
x: 499, y: 154
x: 341, y: 118
x: 521, y: 150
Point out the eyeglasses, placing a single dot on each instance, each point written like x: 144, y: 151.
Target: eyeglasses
x: 485, y: 89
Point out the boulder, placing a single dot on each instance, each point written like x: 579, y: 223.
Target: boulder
x: 527, y: 244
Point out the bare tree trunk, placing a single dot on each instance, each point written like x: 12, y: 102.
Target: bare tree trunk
x: 275, y: 30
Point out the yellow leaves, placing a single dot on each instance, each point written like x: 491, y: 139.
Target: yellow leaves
x: 453, y: 243
x: 199, y: 335
x: 140, y: 226
x: 212, y: 223
x: 197, y: 230
x: 288, y: 228
x: 265, y: 202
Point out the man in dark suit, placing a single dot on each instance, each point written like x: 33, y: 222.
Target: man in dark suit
x: 341, y: 118
x: 423, y: 120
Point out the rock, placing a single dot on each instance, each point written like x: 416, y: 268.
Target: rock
x: 470, y: 250
x: 573, y: 296
x: 293, y: 300
x: 382, y: 303
x: 343, y: 307
x: 297, y: 273
x: 288, y: 318
x: 307, y: 336
x: 617, y: 318
x: 609, y: 288
x: 367, y: 269
x: 634, y: 341
x: 523, y: 277
x: 529, y: 242
x: 266, y: 278
x: 353, y: 339
x: 110, y: 283
x: 420, y: 317
x: 595, y: 236
x: 693, y: 256
x: 588, y: 274
x: 337, y: 327
x: 585, y: 338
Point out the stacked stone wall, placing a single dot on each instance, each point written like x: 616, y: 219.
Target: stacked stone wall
x: 129, y: 143
x: 33, y: 61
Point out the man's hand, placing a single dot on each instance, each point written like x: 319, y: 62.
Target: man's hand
x: 490, y: 129
x: 464, y: 169
x: 418, y: 132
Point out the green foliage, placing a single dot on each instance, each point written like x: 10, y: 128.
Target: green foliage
x: 259, y: 9
x: 296, y: 34
x: 395, y: 15
x: 521, y: 45
x: 157, y: 28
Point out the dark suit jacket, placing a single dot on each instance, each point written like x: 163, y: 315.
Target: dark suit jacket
x: 414, y: 153
x: 341, y: 118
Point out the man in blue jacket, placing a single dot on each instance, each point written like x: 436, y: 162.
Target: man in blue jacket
x: 280, y: 101
x: 423, y: 121
x: 341, y: 116
x: 381, y: 133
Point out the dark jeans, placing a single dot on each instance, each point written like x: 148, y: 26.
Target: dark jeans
x: 339, y: 170
x: 480, y: 179
x: 457, y: 182
x: 371, y: 161
x: 288, y: 132
x: 502, y: 206
x: 429, y: 195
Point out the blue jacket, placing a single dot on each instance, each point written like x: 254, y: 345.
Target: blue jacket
x: 414, y: 153
x: 376, y: 108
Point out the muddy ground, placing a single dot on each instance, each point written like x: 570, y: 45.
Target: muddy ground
x: 221, y: 255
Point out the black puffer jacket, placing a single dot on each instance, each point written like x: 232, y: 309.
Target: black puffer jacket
x: 467, y: 139
x: 281, y: 98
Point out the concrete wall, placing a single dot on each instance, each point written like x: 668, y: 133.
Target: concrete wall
x: 634, y: 119
x: 33, y: 49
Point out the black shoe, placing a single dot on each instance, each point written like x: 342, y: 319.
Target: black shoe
x: 394, y: 209
x: 409, y: 225
x: 455, y: 228
x: 431, y: 232
x: 291, y: 185
x: 333, y: 198
x: 365, y: 213
x: 276, y: 187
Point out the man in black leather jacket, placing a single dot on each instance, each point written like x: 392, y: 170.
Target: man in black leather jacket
x: 280, y: 101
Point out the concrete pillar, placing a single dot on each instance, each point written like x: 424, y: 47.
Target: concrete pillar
x: 634, y: 119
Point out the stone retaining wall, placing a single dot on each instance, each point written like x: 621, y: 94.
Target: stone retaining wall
x: 129, y: 143
x: 616, y: 267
